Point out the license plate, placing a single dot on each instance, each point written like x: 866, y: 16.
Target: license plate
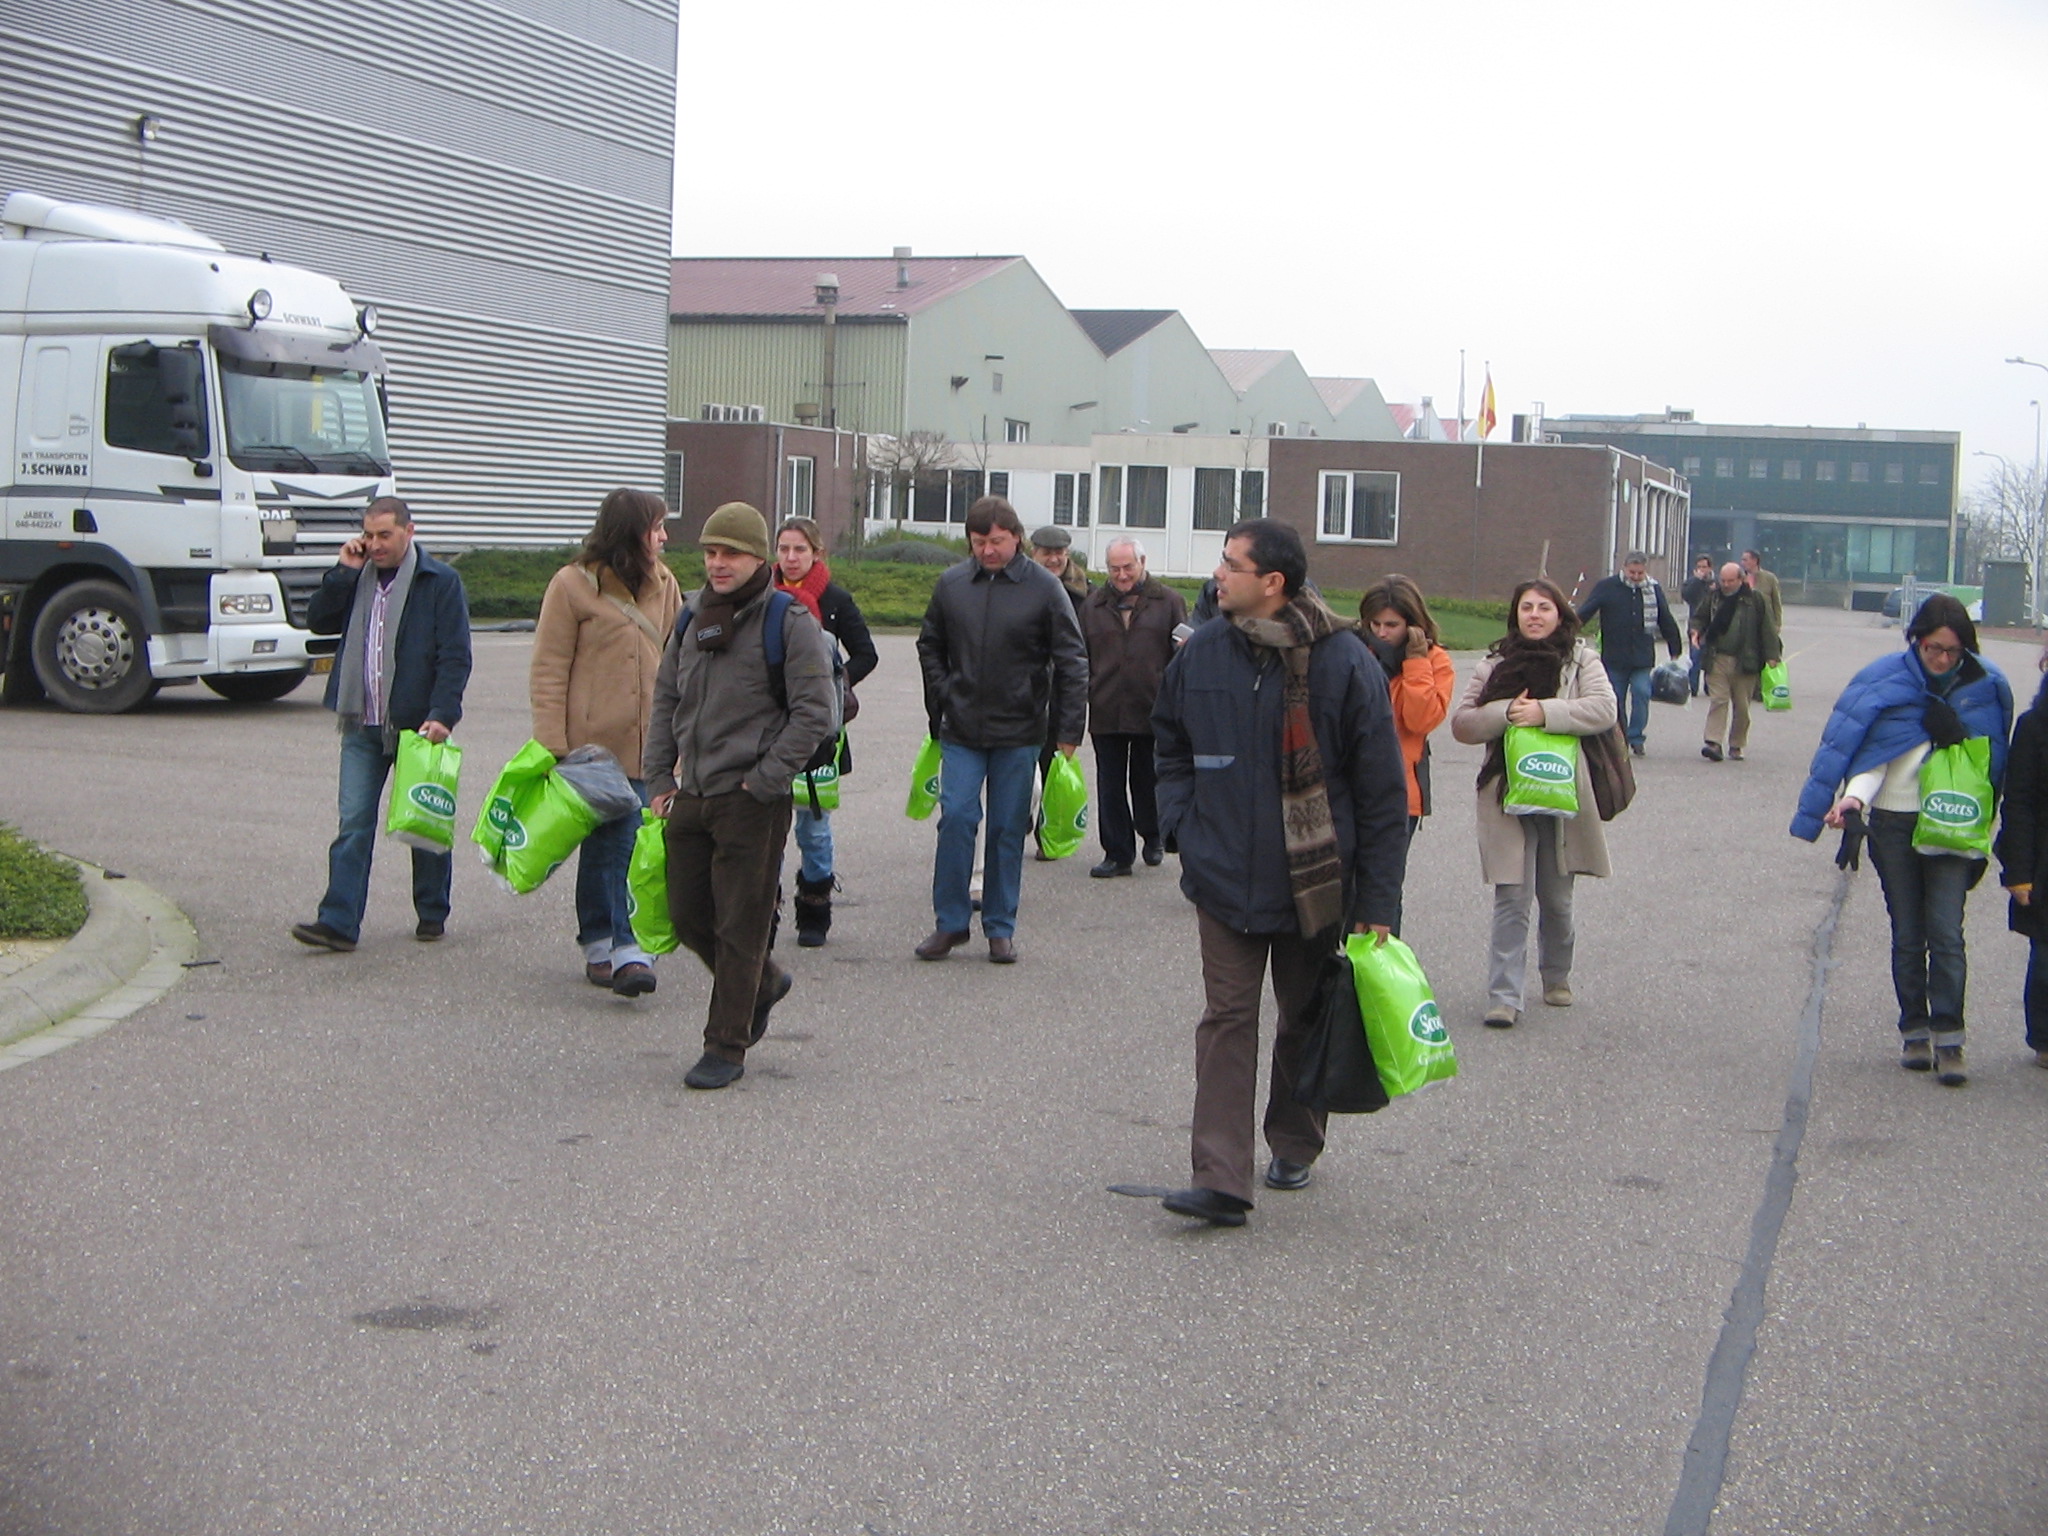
x: 323, y: 664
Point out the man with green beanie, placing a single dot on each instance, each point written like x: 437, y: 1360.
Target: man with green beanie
x: 729, y: 732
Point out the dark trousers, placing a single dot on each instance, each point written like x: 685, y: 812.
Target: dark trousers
x: 1924, y: 892
x: 1227, y: 1054
x: 2036, y: 995
x: 1120, y: 762
x: 724, y: 865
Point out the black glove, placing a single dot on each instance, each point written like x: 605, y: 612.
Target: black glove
x: 1850, y: 854
x: 1943, y: 726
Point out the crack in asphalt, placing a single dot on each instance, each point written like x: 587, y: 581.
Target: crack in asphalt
x: 1706, y: 1451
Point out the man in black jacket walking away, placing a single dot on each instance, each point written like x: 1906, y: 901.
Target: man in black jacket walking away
x: 1633, y: 616
x: 1282, y: 788
x: 1002, y: 656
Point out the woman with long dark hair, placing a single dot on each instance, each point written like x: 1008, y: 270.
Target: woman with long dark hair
x: 1540, y: 673
x: 1402, y: 636
x: 1937, y: 692
x: 800, y: 569
x: 596, y: 648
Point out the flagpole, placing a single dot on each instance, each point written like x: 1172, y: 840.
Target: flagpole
x: 1461, y: 394
x: 1479, y: 472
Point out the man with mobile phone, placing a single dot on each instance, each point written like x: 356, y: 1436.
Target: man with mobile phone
x: 402, y: 664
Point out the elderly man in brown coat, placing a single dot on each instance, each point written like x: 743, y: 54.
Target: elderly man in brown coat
x: 1128, y: 623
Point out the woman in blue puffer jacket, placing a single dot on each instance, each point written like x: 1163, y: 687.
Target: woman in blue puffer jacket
x: 1935, y: 693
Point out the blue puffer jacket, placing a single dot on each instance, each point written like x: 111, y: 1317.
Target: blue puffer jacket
x: 1216, y: 732
x: 1878, y: 717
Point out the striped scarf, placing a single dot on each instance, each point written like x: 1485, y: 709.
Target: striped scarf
x: 1315, y: 870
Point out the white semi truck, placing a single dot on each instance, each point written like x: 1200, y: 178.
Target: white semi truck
x: 193, y: 435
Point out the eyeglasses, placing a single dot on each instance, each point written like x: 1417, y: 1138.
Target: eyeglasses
x: 1942, y: 652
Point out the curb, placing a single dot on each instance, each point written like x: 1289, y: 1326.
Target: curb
x: 130, y: 952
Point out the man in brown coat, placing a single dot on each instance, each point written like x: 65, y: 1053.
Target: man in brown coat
x: 1129, y: 623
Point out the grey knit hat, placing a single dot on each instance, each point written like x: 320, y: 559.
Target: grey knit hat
x: 737, y: 526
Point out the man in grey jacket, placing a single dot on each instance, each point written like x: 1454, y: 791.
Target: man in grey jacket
x: 728, y: 734
x: 1000, y: 649
x: 1281, y: 786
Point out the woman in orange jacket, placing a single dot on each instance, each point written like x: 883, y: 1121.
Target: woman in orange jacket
x: 1420, y: 677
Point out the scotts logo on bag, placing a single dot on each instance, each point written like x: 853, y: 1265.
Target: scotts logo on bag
x: 1781, y: 690
x: 931, y: 786
x: 1952, y: 808
x: 505, y: 824
x: 1547, y: 765
x: 434, y: 799
x: 1427, y: 1025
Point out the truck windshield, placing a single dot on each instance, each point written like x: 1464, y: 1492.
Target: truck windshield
x: 305, y: 420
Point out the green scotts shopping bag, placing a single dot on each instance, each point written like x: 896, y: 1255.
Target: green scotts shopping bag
x: 924, y: 781
x: 1409, y: 1043
x: 531, y: 821
x: 423, y: 780
x: 1063, y: 808
x: 1543, y: 772
x: 1956, y: 800
x: 818, y: 790
x: 647, y: 888
x: 1776, y: 686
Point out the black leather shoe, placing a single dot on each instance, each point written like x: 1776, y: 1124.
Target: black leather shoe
x: 598, y: 973
x: 765, y: 1003
x: 1002, y: 951
x: 713, y: 1072
x: 1281, y: 1174
x: 1711, y: 752
x: 1109, y: 869
x: 320, y: 936
x: 1210, y: 1205
x: 941, y: 944
x: 429, y: 930
x: 1154, y: 854
x: 633, y: 979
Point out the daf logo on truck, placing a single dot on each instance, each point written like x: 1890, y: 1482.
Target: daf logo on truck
x: 162, y: 386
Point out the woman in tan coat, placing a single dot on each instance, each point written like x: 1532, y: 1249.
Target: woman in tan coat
x: 595, y: 652
x: 1540, y: 673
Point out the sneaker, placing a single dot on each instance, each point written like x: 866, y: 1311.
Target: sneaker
x: 429, y: 930
x: 713, y: 1072
x: 1559, y: 996
x: 764, y: 1004
x: 1948, y: 1066
x: 320, y: 936
x: 1711, y: 751
x: 1638, y: 749
x: 1918, y: 1056
x: 1500, y: 1018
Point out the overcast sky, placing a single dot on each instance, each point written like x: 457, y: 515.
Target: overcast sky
x: 1786, y: 212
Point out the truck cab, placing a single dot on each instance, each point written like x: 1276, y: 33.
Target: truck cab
x: 194, y: 434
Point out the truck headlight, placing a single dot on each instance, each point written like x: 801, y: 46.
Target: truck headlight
x: 247, y: 602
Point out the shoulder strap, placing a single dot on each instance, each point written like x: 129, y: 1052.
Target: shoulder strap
x: 773, y: 641
x: 630, y: 610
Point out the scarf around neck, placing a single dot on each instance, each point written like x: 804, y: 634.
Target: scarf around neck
x: 711, y: 626
x: 349, y: 698
x: 1315, y: 871
x: 1521, y: 665
x: 811, y: 590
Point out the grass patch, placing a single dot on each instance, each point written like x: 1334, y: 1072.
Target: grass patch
x: 41, y: 895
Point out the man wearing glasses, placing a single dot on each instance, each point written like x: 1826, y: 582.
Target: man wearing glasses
x: 1737, y: 639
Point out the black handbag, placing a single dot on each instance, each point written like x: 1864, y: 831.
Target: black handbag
x: 1333, y: 1068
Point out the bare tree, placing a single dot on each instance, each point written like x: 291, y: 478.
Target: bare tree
x: 915, y: 458
x: 2009, y: 519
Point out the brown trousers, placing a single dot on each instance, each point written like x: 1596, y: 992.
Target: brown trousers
x: 1729, y: 689
x: 1227, y: 1054
x: 724, y: 870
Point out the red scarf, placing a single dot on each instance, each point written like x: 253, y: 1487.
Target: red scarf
x: 810, y: 589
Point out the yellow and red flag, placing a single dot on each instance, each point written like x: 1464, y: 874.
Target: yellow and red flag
x: 1486, y: 415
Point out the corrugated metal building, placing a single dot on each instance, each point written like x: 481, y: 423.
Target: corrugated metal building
x: 495, y: 179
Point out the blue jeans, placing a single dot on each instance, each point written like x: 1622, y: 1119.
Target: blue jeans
x: 1692, y: 670
x: 813, y: 831
x: 1007, y: 772
x: 1924, y: 892
x: 603, y: 928
x: 365, y: 765
x: 1631, y: 699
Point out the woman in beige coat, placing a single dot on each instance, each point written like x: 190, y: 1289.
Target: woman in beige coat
x: 1540, y: 673
x: 595, y: 652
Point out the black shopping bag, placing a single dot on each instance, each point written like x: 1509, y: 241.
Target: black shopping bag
x: 1334, y: 1069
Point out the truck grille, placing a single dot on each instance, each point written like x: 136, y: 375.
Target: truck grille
x: 299, y: 587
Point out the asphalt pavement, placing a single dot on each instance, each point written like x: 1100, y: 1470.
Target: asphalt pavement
x: 429, y: 1238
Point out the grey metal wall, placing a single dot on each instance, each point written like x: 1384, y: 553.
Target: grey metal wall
x: 494, y: 175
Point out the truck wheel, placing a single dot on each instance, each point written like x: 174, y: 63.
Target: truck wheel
x: 91, y: 652
x: 255, y: 687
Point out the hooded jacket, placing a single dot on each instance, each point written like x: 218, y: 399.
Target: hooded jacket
x: 1878, y: 717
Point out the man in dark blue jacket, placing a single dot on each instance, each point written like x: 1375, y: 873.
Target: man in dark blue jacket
x: 1280, y: 784
x: 1633, y: 616
x: 401, y: 665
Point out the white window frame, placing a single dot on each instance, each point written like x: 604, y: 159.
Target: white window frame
x: 799, y: 485
x: 672, y: 481
x: 1165, y: 502
x: 1015, y: 431
x: 1348, y: 479
x: 1109, y: 495
x: 1076, y: 483
x: 1238, y: 510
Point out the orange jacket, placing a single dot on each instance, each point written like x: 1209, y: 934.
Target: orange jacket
x: 1422, y: 701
